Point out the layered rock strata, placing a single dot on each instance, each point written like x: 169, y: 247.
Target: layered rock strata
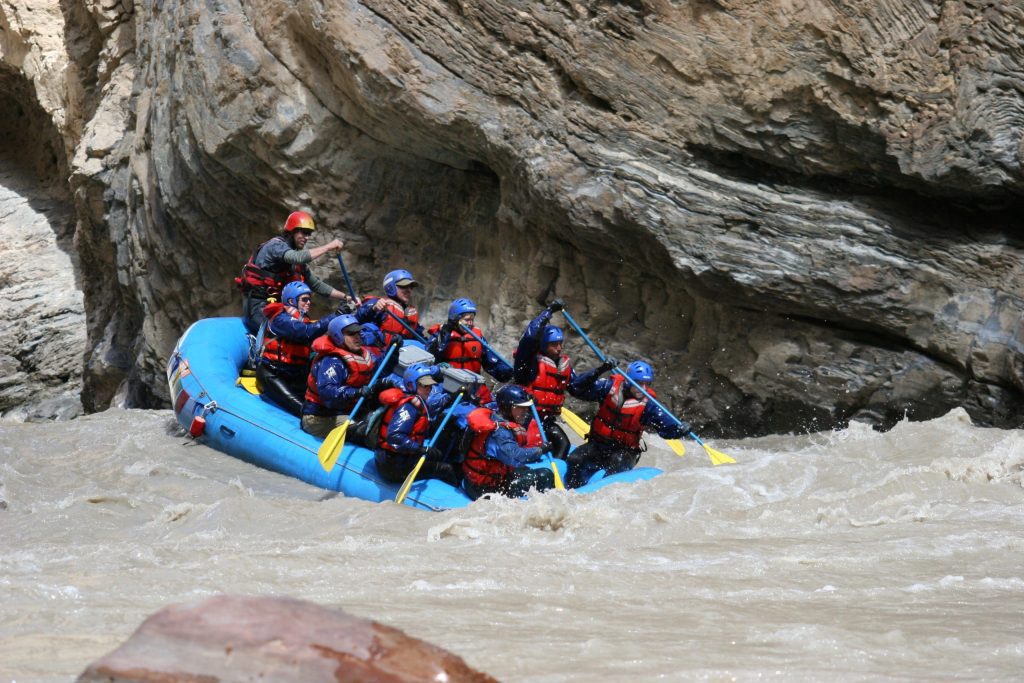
x: 803, y: 213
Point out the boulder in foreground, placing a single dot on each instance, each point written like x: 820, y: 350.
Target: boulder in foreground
x: 239, y: 638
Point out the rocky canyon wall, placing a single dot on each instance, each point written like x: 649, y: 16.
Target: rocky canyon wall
x: 803, y: 213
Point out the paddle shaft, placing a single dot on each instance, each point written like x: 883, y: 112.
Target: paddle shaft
x: 485, y: 344
x: 601, y: 357
x: 344, y: 272
x: 440, y: 427
x: 406, y: 325
x: 373, y: 380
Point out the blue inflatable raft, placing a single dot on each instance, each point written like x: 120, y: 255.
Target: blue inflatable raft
x: 202, y: 375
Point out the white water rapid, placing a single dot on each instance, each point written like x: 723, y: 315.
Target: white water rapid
x: 848, y: 556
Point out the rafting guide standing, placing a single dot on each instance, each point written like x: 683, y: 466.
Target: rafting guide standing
x: 280, y: 260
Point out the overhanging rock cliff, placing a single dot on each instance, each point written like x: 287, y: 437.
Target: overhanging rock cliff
x: 803, y: 215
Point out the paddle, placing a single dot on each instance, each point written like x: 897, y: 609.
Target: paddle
x: 543, y: 437
x: 575, y: 422
x: 330, y: 449
x: 423, y: 458
x: 406, y: 325
x: 348, y: 282
x: 716, y: 457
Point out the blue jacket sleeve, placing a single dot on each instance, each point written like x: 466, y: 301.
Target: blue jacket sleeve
x: 581, y: 386
x: 331, y: 378
x: 496, y: 367
x: 502, y: 445
x: 366, y: 314
x: 595, y: 390
x: 525, y: 358
x: 659, y: 421
x: 400, y: 430
x: 297, y: 331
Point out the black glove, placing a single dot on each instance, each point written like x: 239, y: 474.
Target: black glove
x: 610, y: 362
x: 369, y: 391
x: 555, y: 306
x: 685, y: 427
x: 448, y: 328
x: 545, y: 447
x: 344, y: 308
x: 397, y: 341
x: 432, y: 453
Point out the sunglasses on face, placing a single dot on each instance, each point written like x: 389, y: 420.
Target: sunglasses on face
x: 304, y: 298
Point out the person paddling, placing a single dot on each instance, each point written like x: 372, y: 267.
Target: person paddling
x: 547, y: 373
x: 497, y: 455
x: 280, y: 260
x: 284, y: 359
x: 455, y: 344
x: 411, y: 412
x: 614, y: 441
x: 339, y: 376
x: 394, y: 306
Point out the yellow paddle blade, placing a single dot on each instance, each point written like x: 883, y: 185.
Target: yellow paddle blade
x: 330, y: 449
x: 677, y: 447
x: 575, y: 422
x: 558, y: 477
x: 249, y: 384
x: 717, y: 457
x: 409, y: 480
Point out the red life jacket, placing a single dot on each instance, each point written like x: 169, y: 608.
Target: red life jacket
x: 487, y: 473
x: 267, y: 281
x: 618, y: 418
x: 391, y: 327
x: 395, y: 399
x: 359, y: 367
x: 462, y: 352
x: 548, y: 388
x: 281, y: 350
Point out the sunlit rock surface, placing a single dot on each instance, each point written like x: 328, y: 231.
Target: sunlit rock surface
x: 234, y: 638
x: 802, y: 213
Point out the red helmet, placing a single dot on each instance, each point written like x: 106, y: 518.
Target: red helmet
x: 299, y: 220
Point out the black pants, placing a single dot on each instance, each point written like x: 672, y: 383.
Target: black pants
x: 286, y: 389
x: 395, y: 467
x: 594, y: 455
x: 556, y: 437
x: 519, y: 481
x: 252, y: 312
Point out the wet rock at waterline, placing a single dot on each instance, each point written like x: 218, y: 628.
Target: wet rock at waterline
x: 802, y: 214
x: 234, y: 638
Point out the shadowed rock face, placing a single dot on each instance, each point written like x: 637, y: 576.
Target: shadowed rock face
x: 236, y: 638
x: 802, y: 214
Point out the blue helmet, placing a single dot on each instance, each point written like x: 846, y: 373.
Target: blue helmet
x: 396, y: 277
x: 336, y: 328
x: 551, y: 335
x: 416, y: 373
x: 512, y: 395
x: 461, y: 307
x: 372, y: 335
x: 640, y: 372
x: 292, y: 291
